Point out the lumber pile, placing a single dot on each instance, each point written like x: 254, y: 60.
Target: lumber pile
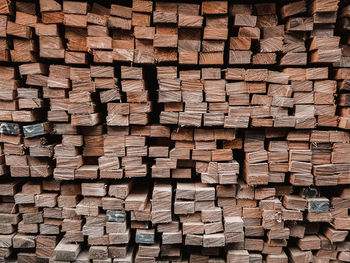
x: 174, y: 131
x: 301, y: 98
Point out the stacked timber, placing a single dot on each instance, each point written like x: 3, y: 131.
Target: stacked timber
x: 244, y: 31
x: 82, y: 104
x: 120, y: 141
x: 301, y: 98
x: 309, y: 158
x: 6, y: 11
x: 21, y: 27
x: 75, y: 23
x: 190, y: 24
x: 174, y: 131
x: 257, y: 26
x: 136, y: 106
x: 206, y: 153
x: 98, y: 40
x: 144, y: 31
x: 298, y: 28
x: 343, y: 28
x: 342, y: 78
x: 341, y: 74
x: 165, y: 19
x: 28, y: 146
x: 118, y: 21
x: 124, y: 33
x: 323, y: 93
x: 100, y: 209
x: 105, y: 83
x: 9, y: 104
x: 56, y: 92
x: 325, y: 17
x: 215, y: 32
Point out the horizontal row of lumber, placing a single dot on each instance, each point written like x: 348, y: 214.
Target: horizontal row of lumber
x: 147, y: 32
x: 218, y: 156
x: 301, y: 98
x: 120, y: 218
